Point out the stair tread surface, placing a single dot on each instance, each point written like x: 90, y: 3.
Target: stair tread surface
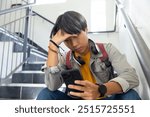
x: 19, y: 92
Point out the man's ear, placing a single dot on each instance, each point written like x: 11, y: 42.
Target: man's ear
x: 86, y: 30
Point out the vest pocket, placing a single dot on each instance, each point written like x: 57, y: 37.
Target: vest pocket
x: 101, y: 71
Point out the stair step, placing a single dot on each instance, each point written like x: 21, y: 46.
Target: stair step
x: 28, y: 78
x: 30, y: 92
x: 19, y: 92
x: 32, y: 66
x: 35, y: 57
x: 9, y: 92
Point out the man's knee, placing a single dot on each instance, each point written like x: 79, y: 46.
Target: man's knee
x: 130, y: 95
x: 44, y: 94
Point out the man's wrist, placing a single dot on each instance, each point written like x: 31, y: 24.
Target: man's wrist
x: 54, y: 43
x: 51, y: 45
x: 55, y: 51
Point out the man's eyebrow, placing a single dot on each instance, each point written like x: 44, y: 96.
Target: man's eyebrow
x: 76, y: 35
x: 72, y: 37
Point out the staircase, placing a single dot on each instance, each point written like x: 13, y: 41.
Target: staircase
x: 21, y: 58
x: 21, y: 53
x: 27, y: 83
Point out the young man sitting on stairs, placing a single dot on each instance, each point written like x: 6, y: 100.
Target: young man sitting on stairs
x: 96, y: 63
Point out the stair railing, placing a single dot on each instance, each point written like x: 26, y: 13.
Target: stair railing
x: 13, y: 18
x: 141, y: 49
x: 18, y: 33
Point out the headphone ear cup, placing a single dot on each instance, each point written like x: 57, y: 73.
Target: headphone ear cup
x: 80, y: 60
x: 94, y: 50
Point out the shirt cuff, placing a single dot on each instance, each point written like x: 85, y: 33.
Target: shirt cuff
x: 123, y: 83
x: 53, y: 69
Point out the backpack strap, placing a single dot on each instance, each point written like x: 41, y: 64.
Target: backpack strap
x: 103, y: 51
x: 105, y: 59
x: 68, y: 63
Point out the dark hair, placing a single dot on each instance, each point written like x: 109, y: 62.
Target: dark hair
x: 70, y: 22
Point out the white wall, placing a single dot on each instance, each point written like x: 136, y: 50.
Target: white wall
x: 125, y: 41
x: 40, y: 31
x: 127, y: 48
x: 138, y: 11
x: 52, y: 11
x: 106, y: 38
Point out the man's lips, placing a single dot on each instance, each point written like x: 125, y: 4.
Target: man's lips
x: 78, y: 49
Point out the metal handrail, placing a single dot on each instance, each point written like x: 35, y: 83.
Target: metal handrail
x: 108, y: 31
x: 16, y: 38
x: 142, y: 51
x: 43, y: 17
x: 14, y: 21
x: 15, y: 8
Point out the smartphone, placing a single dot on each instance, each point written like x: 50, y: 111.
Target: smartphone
x: 69, y: 77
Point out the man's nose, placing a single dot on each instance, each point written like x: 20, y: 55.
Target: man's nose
x: 74, y: 42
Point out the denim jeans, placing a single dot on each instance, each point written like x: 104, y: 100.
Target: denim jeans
x: 46, y: 94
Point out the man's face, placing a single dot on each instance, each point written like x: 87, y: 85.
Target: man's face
x: 78, y: 43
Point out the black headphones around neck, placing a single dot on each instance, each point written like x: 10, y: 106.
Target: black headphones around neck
x: 79, y: 59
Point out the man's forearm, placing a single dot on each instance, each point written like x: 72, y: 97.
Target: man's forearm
x: 113, y: 88
x: 52, y: 55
